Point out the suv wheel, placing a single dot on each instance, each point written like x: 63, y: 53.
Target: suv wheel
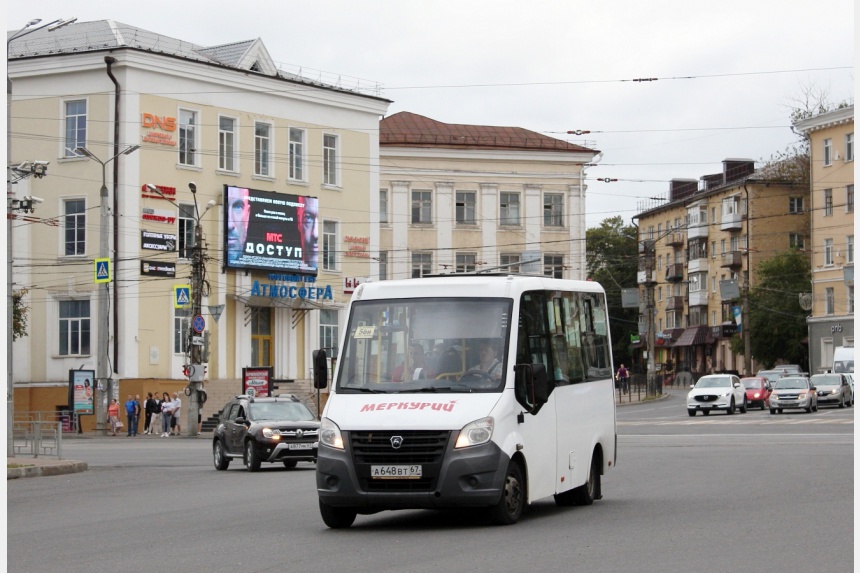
x: 252, y: 462
x: 221, y: 460
x: 290, y: 464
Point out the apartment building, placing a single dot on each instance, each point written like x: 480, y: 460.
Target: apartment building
x: 831, y: 212
x: 698, y: 252
x: 209, y: 121
x: 465, y: 198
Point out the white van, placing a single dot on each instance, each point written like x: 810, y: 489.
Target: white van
x: 843, y: 359
x: 467, y: 391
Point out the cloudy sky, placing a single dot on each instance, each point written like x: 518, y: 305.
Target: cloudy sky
x: 728, y: 73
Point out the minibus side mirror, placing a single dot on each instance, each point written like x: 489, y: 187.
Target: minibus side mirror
x: 531, y: 386
x: 320, y: 369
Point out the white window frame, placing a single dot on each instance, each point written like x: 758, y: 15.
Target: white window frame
x: 383, y: 265
x: 849, y: 198
x: 553, y: 211
x: 228, y: 144
x: 849, y: 249
x: 829, y: 301
x: 465, y: 207
x: 185, y: 230
x: 331, y: 160
x: 384, y: 218
x: 796, y: 241
x: 79, y: 320
x: 80, y: 219
x: 181, y: 324
x: 509, y: 209
x: 828, y: 252
x: 329, y: 322
x: 795, y: 205
x: 422, y: 200
x: 328, y: 252
x: 828, y: 202
x: 512, y: 259
x: 849, y: 146
x: 828, y: 152
x: 69, y: 148
x: 190, y: 146
x: 422, y: 264
x: 553, y: 265
x: 264, y: 149
x: 466, y: 262
x: 297, y: 159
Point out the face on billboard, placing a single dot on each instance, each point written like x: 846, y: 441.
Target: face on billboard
x: 270, y: 231
x: 238, y: 217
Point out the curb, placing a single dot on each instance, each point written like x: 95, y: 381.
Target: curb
x: 662, y: 396
x: 50, y: 469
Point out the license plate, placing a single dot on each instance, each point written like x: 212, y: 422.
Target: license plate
x: 395, y: 472
x: 787, y: 403
x: 300, y: 446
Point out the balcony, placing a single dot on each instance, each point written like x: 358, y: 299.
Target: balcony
x: 732, y: 260
x: 698, y: 298
x: 732, y: 222
x: 646, y: 246
x: 675, y: 272
x: 643, y: 278
x: 675, y: 239
x: 696, y: 265
x: 697, y: 231
x: 675, y: 303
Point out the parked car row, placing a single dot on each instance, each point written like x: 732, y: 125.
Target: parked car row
x: 785, y: 392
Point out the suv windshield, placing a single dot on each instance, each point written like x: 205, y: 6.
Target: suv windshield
x: 280, y: 411
x: 791, y: 384
x: 714, y: 382
x: 426, y: 345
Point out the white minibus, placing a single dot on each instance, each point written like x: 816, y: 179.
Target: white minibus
x: 467, y: 391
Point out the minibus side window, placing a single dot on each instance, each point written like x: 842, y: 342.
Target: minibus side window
x: 532, y: 339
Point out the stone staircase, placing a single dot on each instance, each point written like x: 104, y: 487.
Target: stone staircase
x: 219, y: 392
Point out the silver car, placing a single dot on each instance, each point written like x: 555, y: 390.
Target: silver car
x: 793, y: 392
x: 833, y: 389
x: 717, y: 392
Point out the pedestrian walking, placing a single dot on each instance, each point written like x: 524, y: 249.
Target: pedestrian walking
x: 166, y: 414
x: 623, y: 377
x: 113, y: 416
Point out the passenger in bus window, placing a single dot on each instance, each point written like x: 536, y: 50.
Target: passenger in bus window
x: 414, y: 367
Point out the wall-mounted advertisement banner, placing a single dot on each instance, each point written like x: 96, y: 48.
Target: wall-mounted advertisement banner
x: 81, y: 390
x: 153, y: 241
x: 158, y: 269
x: 270, y: 231
x: 258, y: 380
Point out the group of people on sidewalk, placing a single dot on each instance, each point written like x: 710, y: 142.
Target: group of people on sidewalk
x: 163, y: 413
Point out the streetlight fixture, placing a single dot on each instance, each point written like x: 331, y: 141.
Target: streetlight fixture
x: 102, y: 374
x: 10, y: 193
x: 194, y: 370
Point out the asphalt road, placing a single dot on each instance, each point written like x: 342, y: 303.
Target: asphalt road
x: 748, y: 492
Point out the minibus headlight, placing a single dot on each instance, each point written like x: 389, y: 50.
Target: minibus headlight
x: 330, y: 434
x: 475, y: 433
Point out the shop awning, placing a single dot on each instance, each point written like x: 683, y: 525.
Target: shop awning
x: 693, y: 336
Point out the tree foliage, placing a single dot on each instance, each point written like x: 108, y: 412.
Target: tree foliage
x: 19, y: 314
x: 777, y: 323
x: 611, y: 259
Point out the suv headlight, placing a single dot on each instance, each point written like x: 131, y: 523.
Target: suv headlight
x: 475, y: 433
x: 271, y: 434
x: 330, y: 434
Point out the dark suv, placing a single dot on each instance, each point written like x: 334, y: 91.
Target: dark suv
x: 278, y: 429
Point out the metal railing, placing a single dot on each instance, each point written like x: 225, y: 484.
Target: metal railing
x: 33, y: 438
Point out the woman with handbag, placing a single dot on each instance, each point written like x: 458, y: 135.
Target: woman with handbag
x: 113, y: 417
x: 166, y: 414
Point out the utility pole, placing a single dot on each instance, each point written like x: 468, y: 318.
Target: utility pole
x: 651, y: 379
x: 103, y: 389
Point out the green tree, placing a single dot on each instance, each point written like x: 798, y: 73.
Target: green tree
x: 612, y: 260
x: 777, y: 323
x: 19, y: 314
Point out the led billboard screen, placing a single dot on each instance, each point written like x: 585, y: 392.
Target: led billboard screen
x: 270, y: 231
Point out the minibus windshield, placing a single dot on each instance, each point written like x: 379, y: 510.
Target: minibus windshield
x: 426, y: 345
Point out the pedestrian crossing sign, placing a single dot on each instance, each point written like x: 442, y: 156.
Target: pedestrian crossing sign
x: 101, y: 270
x: 181, y: 296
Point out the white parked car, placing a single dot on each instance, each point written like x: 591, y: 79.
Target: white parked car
x: 717, y: 392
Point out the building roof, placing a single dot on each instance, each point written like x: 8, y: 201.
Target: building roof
x: 249, y: 55
x: 407, y: 129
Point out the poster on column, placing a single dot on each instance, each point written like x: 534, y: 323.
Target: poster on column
x: 270, y: 231
x: 82, y: 390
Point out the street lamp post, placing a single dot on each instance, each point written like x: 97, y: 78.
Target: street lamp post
x: 103, y: 375
x: 193, y: 349
x: 10, y: 195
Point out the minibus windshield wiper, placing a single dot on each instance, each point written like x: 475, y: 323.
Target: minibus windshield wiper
x: 437, y: 389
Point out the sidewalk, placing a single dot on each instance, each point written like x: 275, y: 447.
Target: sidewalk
x: 636, y: 396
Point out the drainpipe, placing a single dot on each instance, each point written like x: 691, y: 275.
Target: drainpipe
x: 111, y: 60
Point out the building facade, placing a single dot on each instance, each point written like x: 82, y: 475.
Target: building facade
x: 698, y: 253
x: 207, y: 119
x: 466, y: 198
x: 831, y: 211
